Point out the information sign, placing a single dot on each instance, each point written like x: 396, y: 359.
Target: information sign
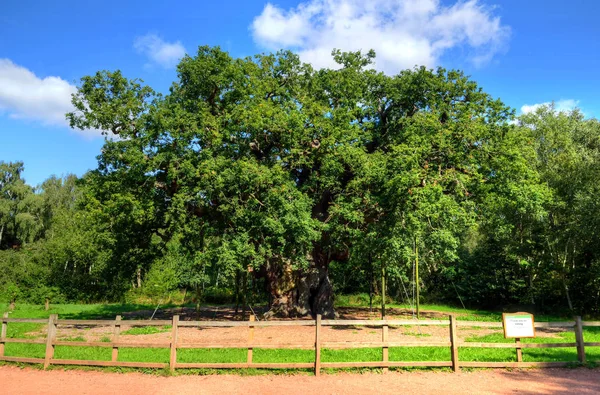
x: 518, y: 325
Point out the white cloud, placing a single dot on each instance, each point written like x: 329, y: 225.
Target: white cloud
x: 564, y: 105
x: 404, y: 33
x: 159, y: 51
x: 23, y: 95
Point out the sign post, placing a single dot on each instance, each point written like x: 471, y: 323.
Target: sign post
x: 516, y: 326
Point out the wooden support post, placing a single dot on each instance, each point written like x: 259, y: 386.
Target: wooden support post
x: 579, y: 339
x: 250, y: 338
x: 318, y: 345
x: 50, y: 337
x: 454, y: 343
x: 383, y: 292
x: 3, y: 334
x: 174, y: 340
x: 416, y: 279
x: 47, y: 305
x: 115, y: 339
x: 519, y: 350
x: 384, y: 338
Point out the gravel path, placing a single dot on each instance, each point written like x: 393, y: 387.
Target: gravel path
x: 14, y: 380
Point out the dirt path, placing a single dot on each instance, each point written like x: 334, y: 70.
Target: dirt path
x: 14, y: 380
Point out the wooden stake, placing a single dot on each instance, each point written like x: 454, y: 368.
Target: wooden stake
x: 579, y: 339
x: 519, y: 350
x: 47, y: 305
x: 174, y: 340
x: 454, y: 343
x: 250, y: 338
x: 116, y: 334
x: 417, y: 279
x: 382, y: 292
x: 318, y: 345
x: 3, y: 334
x: 50, y: 337
x: 244, y: 294
x: 384, y: 338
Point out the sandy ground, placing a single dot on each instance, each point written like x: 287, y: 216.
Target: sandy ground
x: 14, y: 380
x: 282, y: 335
x: 295, y: 335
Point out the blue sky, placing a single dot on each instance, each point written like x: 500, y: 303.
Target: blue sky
x: 524, y: 52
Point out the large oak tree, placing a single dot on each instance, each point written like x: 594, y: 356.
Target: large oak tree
x: 267, y: 163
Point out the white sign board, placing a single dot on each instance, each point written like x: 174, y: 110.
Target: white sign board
x: 518, y: 325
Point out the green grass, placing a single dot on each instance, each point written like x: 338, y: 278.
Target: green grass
x: 83, y: 353
x: 417, y: 334
x: 24, y: 350
x: 463, y: 314
x: 73, y: 311
x: 97, y: 311
x: 73, y: 339
x: 21, y: 329
x: 77, y: 311
x: 215, y: 355
x: 146, y: 330
x: 144, y: 354
x: 327, y: 355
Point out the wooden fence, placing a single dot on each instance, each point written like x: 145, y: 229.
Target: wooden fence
x: 453, y: 343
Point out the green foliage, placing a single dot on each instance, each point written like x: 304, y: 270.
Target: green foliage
x: 537, y: 240
x: 265, y: 162
x: 312, y: 181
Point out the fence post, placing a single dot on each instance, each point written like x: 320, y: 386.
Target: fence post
x: 50, y: 337
x: 174, y: 340
x: 454, y: 344
x: 250, y: 338
x: 519, y: 350
x: 116, y: 335
x: 318, y: 345
x: 384, y: 350
x: 579, y: 339
x: 3, y: 334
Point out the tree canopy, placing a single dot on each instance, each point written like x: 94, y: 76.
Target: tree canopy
x: 307, y: 181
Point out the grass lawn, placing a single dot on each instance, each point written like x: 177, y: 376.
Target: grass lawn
x: 463, y: 314
x: 347, y: 355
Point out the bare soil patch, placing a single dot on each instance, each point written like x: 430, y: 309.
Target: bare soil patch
x: 289, y: 335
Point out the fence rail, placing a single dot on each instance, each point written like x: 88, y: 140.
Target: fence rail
x: 317, y: 345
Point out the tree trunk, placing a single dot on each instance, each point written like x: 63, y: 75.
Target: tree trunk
x: 244, y: 294
x: 417, y: 280
x: 237, y: 292
x: 383, y: 288
x: 532, y: 297
x: 139, y: 277
x: 568, y: 295
x: 199, y: 294
x: 371, y: 288
x: 299, y: 292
